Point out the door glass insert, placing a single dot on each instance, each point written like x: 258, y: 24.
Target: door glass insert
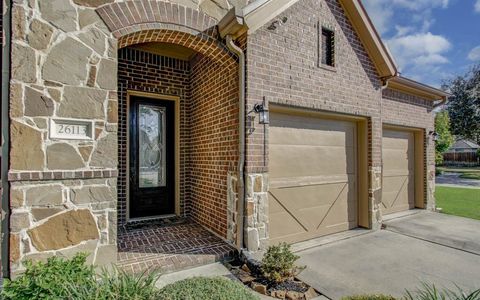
x: 151, y: 146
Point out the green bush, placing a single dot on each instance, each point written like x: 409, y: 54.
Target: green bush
x: 117, y: 285
x: 204, y: 288
x: 369, y: 297
x: 431, y: 292
x: 278, y: 263
x: 48, y: 280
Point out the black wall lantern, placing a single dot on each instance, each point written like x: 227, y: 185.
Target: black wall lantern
x: 262, y: 110
x: 434, y: 135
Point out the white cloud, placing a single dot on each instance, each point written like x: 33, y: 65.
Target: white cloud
x: 474, y: 54
x: 477, y: 6
x: 421, y: 4
x: 381, y: 14
x: 420, y: 49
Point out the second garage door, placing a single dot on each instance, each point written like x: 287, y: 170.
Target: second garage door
x: 398, y: 154
x: 313, y: 177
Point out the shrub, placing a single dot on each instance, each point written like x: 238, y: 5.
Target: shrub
x: 431, y: 292
x: 48, y: 280
x: 205, y: 288
x: 278, y: 263
x: 369, y: 297
x: 117, y: 285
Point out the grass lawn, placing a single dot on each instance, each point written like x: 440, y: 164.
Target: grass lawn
x: 460, y: 169
x: 459, y: 201
x: 473, y: 175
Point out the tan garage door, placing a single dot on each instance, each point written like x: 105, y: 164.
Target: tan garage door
x: 312, y: 166
x: 398, y: 153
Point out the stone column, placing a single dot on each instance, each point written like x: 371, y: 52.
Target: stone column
x: 256, y: 211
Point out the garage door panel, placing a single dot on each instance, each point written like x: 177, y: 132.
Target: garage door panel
x: 300, y: 158
x: 312, y: 165
x: 398, y: 171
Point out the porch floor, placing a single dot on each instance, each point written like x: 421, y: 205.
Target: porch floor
x: 169, y: 245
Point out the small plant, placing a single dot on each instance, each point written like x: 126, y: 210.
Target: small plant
x: 278, y: 263
x: 369, y: 297
x: 205, y: 288
x: 431, y: 292
x: 117, y: 285
x: 48, y: 280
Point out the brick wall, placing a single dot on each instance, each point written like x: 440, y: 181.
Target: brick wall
x: 208, y: 95
x: 146, y: 72
x: 213, y: 140
x: 283, y: 67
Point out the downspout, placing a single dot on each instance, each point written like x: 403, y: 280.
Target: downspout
x: 241, y: 139
x: 5, y: 145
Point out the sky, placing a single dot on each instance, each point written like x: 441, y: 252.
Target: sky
x: 431, y: 40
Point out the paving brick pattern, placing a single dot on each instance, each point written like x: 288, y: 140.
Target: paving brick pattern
x: 169, y: 247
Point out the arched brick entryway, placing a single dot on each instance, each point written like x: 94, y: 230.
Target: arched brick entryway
x: 207, y: 86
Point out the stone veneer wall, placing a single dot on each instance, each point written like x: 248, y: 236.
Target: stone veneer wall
x: 64, y: 61
x: 63, y: 192
x: 146, y: 72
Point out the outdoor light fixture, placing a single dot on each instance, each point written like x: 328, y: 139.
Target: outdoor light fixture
x: 433, y: 134
x: 262, y: 110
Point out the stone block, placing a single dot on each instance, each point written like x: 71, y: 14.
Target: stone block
x: 105, y: 155
x: 45, y: 195
x: 16, y: 100
x: 64, y: 230
x: 63, y: 156
x: 14, y: 247
x: 19, y: 23
x: 258, y: 184
x: 90, y: 107
x: 87, y: 17
x: 92, y: 3
x: 26, y: 147
x: 95, y: 39
x: 88, y: 247
x: 104, y: 77
x: 19, y: 221
x: 43, y: 256
x: 16, y: 198
x: 253, y: 243
x: 60, y: 13
x: 43, y: 213
x: 40, y: 34
x: 67, y: 61
x: 112, y: 112
x: 106, y: 256
x: 37, y: 104
x: 24, y: 64
x: 91, y: 194
x: 85, y: 152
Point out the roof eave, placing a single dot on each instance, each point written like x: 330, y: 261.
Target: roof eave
x: 416, y: 88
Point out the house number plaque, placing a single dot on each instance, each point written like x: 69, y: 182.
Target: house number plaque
x: 71, y: 129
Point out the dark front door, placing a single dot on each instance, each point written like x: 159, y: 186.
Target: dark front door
x: 152, y: 157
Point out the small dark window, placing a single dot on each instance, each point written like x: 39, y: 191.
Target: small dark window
x: 328, y: 47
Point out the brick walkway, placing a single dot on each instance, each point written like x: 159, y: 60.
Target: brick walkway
x: 169, y: 246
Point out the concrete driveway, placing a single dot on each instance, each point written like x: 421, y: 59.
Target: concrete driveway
x: 424, y: 247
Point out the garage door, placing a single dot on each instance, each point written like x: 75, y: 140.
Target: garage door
x: 312, y: 166
x: 398, y: 193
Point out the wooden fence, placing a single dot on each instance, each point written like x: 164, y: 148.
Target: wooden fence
x: 460, y: 158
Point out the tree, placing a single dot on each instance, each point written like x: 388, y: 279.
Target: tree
x: 464, y: 104
x: 444, y: 136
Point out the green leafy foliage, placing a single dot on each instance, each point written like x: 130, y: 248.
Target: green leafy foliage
x: 431, y: 292
x: 369, y: 297
x: 117, y: 285
x: 48, y: 280
x: 204, y: 288
x: 464, y: 104
x: 278, y: 263
x: 444, y: 138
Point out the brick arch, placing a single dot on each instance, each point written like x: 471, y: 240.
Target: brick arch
x: 135, y: 22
